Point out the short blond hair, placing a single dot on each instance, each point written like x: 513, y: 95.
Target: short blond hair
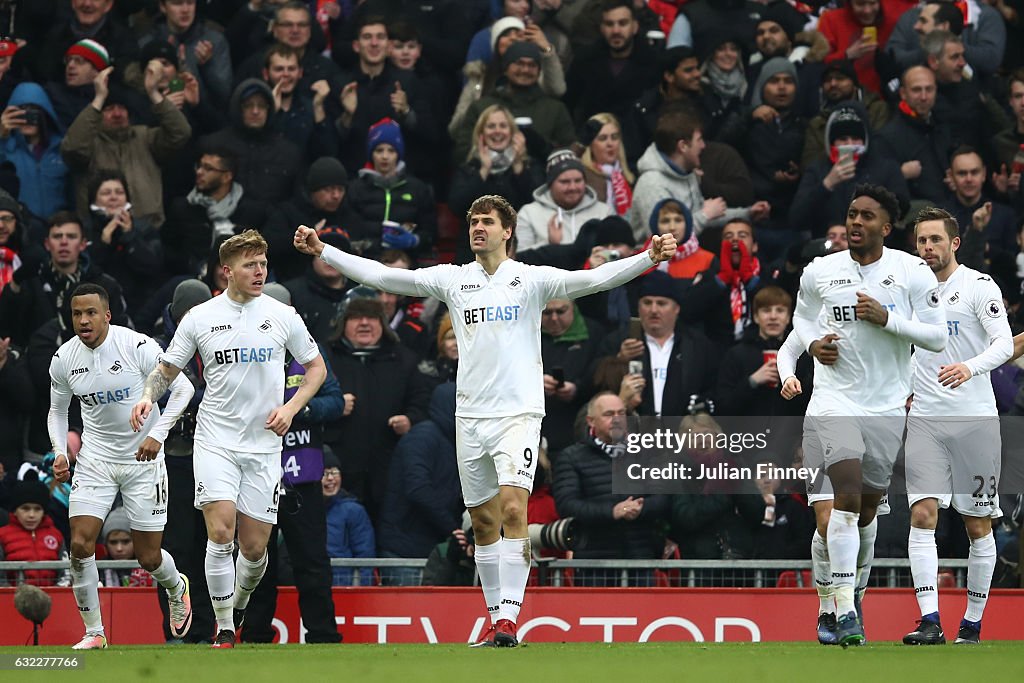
x: 248, y: 242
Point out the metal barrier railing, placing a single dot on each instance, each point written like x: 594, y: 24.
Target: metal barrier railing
x: 886, y: 572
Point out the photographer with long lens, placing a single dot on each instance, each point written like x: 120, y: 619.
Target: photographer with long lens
x: 617, y: 527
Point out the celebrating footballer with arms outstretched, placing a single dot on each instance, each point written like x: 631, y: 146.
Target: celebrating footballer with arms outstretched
x: 495, y: 305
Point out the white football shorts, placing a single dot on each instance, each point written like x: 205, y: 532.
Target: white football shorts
x: 496, y: 451
x: 955, y: 460
x: 847, y: 433
x: 820, y: 489
x: 252, y: 481
x: 143, y: 487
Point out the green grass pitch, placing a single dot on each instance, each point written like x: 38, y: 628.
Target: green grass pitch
x: 537, y: 663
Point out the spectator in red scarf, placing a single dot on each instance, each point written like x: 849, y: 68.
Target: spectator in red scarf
x: 671, y: 216
x: 604, y: 162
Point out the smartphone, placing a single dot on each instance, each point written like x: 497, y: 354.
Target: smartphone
x: 636, y: 330
x: 559, y: 375
x: 175, y: 85
x: 32, y: 117
x: 636, y: 367
x: 846, y: 152
x: 869, y: 34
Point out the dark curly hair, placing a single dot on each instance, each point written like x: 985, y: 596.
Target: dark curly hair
x: 886, y: 199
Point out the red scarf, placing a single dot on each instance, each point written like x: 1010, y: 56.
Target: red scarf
x: 9, y: 262
x: 905, y: 108
x: 736, y: 280
x: 685, y: 250
x: 621, y: 192
x: 964, y: 10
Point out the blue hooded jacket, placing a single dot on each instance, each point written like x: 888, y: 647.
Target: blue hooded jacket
x: 44, y: 188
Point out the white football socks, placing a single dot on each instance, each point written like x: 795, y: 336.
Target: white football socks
x: 843, y: 546
x: 515, y: 572
x: 822, y: 574
x: 220, y: 580
x: 85, y: 580
x: 167, y: 575
x: 981, y: 564
x: 866, y: 554
x: 247, y: 577
x: 924, y: 567
x: 488, y: 567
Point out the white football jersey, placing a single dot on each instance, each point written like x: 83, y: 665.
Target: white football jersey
x: 242, y: 348
x: 108, y: 382
x: 496, y: 319
x: 979, y: 337
x: 873, y: 371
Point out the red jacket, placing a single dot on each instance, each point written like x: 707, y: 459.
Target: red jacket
x: 841, y: 28
x: 22, y: 545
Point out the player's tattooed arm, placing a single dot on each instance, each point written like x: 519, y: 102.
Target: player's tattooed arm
x: 156, y: 384
x: 158, y: 381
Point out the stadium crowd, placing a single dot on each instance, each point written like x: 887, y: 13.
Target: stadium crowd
x: 137, y: 135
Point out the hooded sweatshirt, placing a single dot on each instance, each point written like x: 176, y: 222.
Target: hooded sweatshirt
x: 42, y: 172
x: 268, y: 164
x: 532, y: 226
x: 661, y: 179
x: 814, y: 207
x: 689, y: 259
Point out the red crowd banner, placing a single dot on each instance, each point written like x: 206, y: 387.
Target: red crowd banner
x: 611, y: 615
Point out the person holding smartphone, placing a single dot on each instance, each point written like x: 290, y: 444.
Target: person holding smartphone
x: 858, y: 30
x: 826, y: 187
x: 30, y: 138
x: 679, y: 361
x: 568, y: 344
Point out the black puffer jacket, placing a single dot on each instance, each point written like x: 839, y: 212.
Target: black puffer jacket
x: 582, y: 489
x: 735, y: 396
x: 574, y: 359
x: 132, y: 258
x: 385, y: 383
x: 467, y: 185
x: 268, y: 164
x: 317, y: 303
x: 907, y: 138
x: 402, y: 199
x: 284, y: 259
x: 16, y: 398
x: 187, y: 235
